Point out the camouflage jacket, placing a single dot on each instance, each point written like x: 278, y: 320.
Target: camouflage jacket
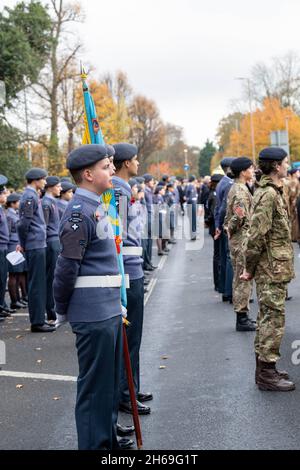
x: 236, y: 226
x: 269, y: 252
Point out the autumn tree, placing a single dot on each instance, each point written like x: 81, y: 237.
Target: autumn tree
x: 147, y: 129
x: 62, y: 54
x: 270, y: 117
x: 279, y: 79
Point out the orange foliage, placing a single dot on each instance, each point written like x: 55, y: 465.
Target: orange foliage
x: 272, y: 117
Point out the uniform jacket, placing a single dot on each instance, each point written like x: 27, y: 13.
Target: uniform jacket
x: 237, y: 227
x: 12, y: 220
x: 4, y: 232
x: 31, y: 227
x: 51, y: 215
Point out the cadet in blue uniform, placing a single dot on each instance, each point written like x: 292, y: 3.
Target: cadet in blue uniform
x: 32, y: 235
x: 87, y: 294
x: 66, y: 194
x: 149, y: 188
x: 4, y: 239
x: 17, y: 274
x: 191, y: 199
x: 51, y: 215
x: 126, y: 164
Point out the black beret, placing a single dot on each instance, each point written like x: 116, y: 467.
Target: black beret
x: 240, y: 164
x: 292, y: 171
x: 225, y: 162
x: 216, y: 178
x: 110, y: 150
x: 66, y: 186
x: 124, y: 151
x: 192, y: 178
x: 272, y: 154
x: 36, y: 174
x: 170, y: 185
x: 14, y: 197
x: 52, y: 181
x: 147, y: 177
x: 132, y: 182
x: 85, y: 156
x: 140, y: 179
x: 65, y: 178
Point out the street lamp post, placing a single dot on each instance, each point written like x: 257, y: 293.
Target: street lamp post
x: 186, y: 162
x: 288, y: 137
x: 251, y: 116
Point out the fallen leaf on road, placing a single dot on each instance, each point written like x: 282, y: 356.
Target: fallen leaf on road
x: 56, y: 398
x: 19, y: 337
x: 162, y: 367
x: 39, y: 361
x: 19, y: 386
x: 165, y: 358
x: 38, y: 349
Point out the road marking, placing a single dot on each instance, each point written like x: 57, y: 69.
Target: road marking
x: 19, y: 315
x: 31, y: 375
x: 152, y: 284
x: 162, y: 263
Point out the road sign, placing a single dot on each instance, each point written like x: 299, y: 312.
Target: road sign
x: 186, y: 167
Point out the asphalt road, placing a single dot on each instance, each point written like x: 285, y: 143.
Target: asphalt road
x: 199, y: 369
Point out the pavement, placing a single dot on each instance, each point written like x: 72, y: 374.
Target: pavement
x: 200, y: 370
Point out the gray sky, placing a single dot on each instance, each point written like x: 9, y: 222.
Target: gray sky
x: 186, y: 54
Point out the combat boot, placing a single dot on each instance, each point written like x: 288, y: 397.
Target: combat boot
x: 269, y: 380
x: 282, y: 373
x: 243, y: 323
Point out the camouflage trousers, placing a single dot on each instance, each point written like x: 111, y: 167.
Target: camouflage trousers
x: 241, y: 290
x: 270, y: 319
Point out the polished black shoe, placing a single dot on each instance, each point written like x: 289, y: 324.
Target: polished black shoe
x: 153, y: 267
x: 2, y: 319
x: 16, y: 306
x: 125, y: 443
x: 4, y: 314
x: 142, y: 409
x: 243, y: 323
x: 289, y: 297
x: 8, y: 310
x: 124, y: 430
x: 42, y: 328
x: 142, y: 397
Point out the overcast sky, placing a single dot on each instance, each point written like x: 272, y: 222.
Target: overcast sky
x: 186, y: 54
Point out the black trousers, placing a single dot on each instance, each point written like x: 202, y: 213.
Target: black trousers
x: 216, y: 264
x: 192, y: 214
x: 99, y: 351
x: 3, y: 276
x: 52, y: 252
x: 226, y: 271
x: 36, y: 275
x: 135, y: 315
x: 147, y: 260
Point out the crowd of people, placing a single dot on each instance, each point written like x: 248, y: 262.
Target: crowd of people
x: 70, y: 273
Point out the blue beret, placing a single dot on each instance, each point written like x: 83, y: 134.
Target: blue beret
x: 52, y: 181
x: 124, y: 151
x: 66, y: 186
x: 272, y: 154
x: 3, y: 180
x: 85, y: 156
x: 140, y: 179
x: 36, y: 174
x: 14, y: 197
x: 132, y: 182
x: 65, y: 178
x: 110, y: 150
x: 240, y: 164
x: 225, y: 162
x: 147, y: 177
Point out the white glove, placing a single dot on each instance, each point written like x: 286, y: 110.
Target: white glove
x: 60, y: 320
x: 124, y: 312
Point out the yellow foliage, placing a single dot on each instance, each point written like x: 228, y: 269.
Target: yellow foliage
x: 272, y: 117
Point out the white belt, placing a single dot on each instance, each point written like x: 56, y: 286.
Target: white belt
x: 127, y: 281
x: 132, y: 251
x: 98, y: 281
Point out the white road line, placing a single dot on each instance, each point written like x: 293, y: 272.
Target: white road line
x: 19, y: 315
x: 31, y: 375
x: 151, y: 287
x: 162, y: 263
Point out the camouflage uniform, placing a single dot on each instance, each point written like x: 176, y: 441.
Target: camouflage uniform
x: 237, y: 227
x: 269, y: 257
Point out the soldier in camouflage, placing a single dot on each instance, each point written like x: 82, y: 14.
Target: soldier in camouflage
x: 269, y: 259
x: 236, y: 224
